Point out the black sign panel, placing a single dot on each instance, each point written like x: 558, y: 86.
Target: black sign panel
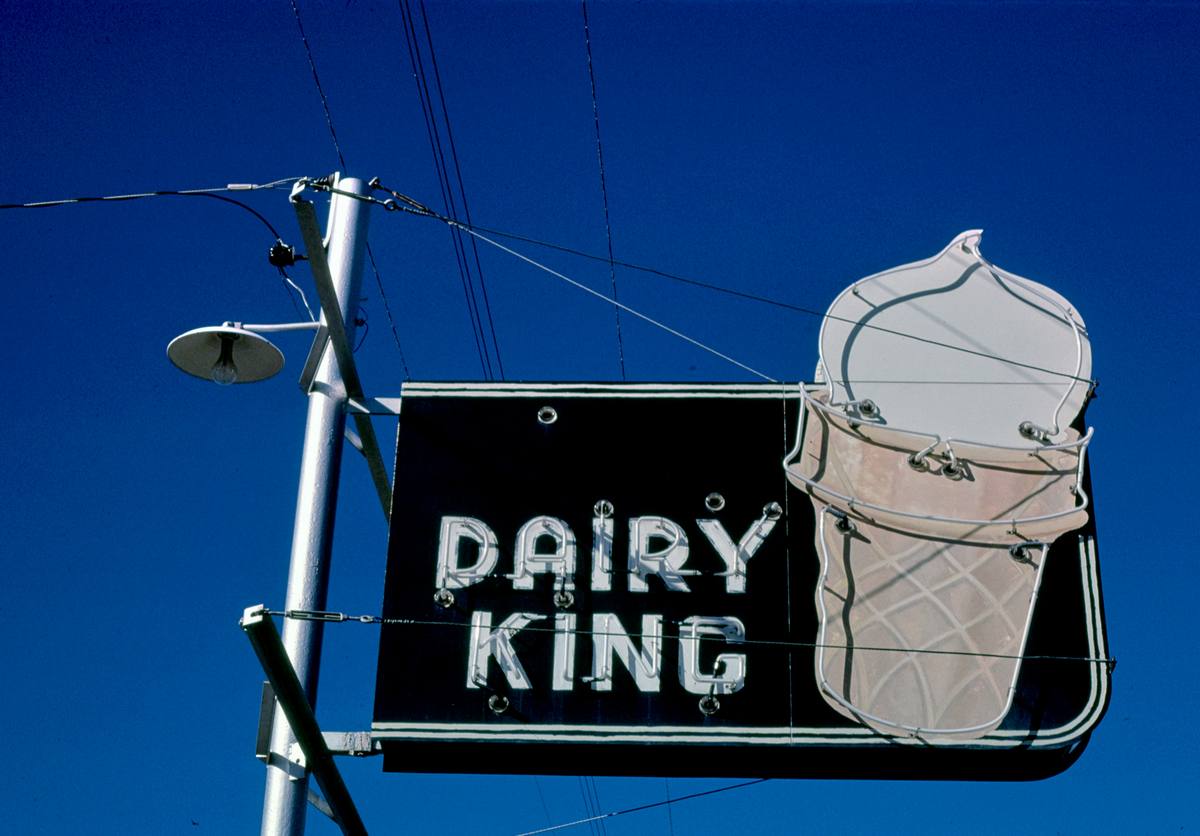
x: 619, y: 579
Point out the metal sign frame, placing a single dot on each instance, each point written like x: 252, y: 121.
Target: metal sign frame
x: 692, y: 661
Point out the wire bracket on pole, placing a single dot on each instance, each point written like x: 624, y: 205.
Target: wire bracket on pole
x: 374, y: 406
x: 358, y: 744
x: 264, y: 638
x: 320, y: 342
x: 266, y: 717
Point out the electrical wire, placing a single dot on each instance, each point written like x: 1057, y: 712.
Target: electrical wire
x: 433, y: 134
x: 317, y: 80
x: 414, y: 207
x: 642, y: 807
x: 670, y: 816
x: 290, y: 287
x: 537, y: 783
x: 417, y: 67
x: 293, y: 289
x: 387, y: 308
x: 115, y: 198
x: 596, y: 806
x: 230, y: 187
x: 589, y: 812
x: 781, y: 304
x: 620, y: 305
x: 612, y: 270
x: 437, y: 76
x: 408, y: 204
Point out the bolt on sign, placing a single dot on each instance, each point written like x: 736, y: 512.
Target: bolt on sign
x: 620, y: 579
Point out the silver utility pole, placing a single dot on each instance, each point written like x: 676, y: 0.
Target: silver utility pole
x: 286, y: 796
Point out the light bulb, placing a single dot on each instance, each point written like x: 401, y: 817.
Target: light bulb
x: 225, y: 371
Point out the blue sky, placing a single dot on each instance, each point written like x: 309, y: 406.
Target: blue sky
x: 782, y: 150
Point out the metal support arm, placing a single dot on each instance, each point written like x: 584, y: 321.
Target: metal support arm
x: 334, y: 326
x: 264, y: 638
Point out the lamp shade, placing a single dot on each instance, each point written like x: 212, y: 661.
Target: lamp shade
x: 214, y: 352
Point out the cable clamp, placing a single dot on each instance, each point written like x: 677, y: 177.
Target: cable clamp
x: 409, y: 204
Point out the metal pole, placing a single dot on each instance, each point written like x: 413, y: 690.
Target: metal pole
x: 286, y: 794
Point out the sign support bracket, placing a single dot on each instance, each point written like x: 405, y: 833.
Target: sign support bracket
x: 332, y: 333
x: 264, y: 638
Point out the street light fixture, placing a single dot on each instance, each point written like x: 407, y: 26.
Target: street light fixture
x: 229, y: 353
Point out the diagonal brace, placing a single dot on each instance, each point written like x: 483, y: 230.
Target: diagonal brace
x: 264, y: 638
x: 335, y: 327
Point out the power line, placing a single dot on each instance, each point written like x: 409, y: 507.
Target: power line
x: 317, y: 80
x: 412, y: 206
x: 408, y: 204
x: 591, y: 782
x: 387, y: 308
x: 290, y: 287
x: 437, y: 76
x: 405, y: 203
x: 612, y: 270
x: 441, y: 169
x: 434, y: 138
x: 642, y: 807
x: 589, y: 811
x: 116, y: 198
x: 537, y: 782
x: 622, y: 306
x: 670, y: 817
x: 418, y: 68
x: 416, y: 208
x: 741, y: 294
